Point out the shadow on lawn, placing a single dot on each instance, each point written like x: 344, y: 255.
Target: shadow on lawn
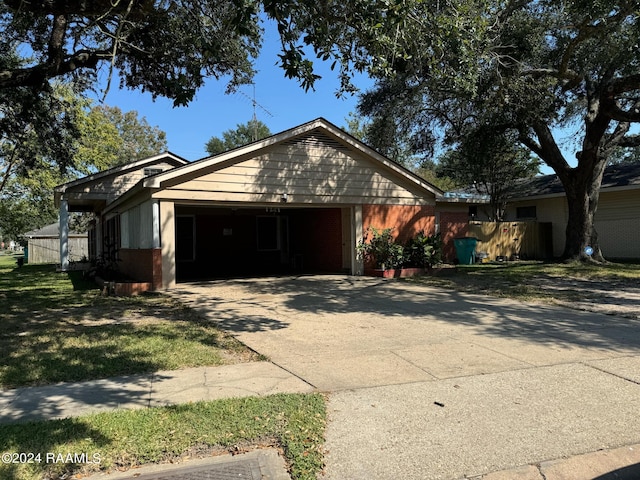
x: 45, y: 439
x: 57, y: 330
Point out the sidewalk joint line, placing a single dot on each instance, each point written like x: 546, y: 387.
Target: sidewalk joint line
x: 150, y: 397
x: 613, y: 374
x: 294, y: 374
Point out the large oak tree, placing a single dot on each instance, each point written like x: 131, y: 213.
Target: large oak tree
x: 531, y: 68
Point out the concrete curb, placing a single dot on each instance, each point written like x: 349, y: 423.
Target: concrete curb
x: 621, y: 463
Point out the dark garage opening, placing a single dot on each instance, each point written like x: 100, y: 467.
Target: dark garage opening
x: 235, y: 242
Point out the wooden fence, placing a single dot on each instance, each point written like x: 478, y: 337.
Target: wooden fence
x: 511, y: 240
x: 47, y: 249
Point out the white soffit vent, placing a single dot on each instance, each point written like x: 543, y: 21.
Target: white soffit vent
x: 316, y: 139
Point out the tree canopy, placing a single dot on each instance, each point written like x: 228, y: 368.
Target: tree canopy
x: 109, y: 137
x: 168, y: 48
x: 90, y: 138
x: 491, y: 163
x: 528, y: 68
x: 243, y: 134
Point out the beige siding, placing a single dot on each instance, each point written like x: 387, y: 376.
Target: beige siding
x: 111, y: 187
x: 621, y: 205
x: 619, y: 238
x: 306, y: 175
x: 618, y: 224
x: 617, y: 221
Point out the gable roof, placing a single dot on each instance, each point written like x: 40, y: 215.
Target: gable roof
x: 50, y: 231
x: 616, y: 177
x: 319, y: 130
x: 114, y: 172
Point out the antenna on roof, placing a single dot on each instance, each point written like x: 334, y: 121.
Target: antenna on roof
x: 255, y: 104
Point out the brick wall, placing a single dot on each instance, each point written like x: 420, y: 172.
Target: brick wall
x: 452, y: 225
x: 144, y: 265
x: 406, y: 221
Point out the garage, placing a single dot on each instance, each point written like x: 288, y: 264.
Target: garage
x: 227, y: 242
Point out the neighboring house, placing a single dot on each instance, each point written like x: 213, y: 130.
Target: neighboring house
x: 44, y: 245
x: 542, y: 199
x: 617, y: 218
x: 299, y: 200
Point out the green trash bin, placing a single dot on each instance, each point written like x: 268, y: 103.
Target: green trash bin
x: 26, y: 254
x: 465, y: 249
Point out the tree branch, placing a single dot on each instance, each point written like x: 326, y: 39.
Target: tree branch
x: 37, y: 75
x: 630, y: 141
x: 87, y: 8
x: 548, y: 149
x: 624, y: 84
x: 618, y: 114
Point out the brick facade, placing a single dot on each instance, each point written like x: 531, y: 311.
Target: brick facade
x: 406, y: 221
x: 144, y: 265
x: 452, y: 225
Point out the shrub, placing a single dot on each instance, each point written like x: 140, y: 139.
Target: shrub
x: 378, y: 247
x: 423, y: 251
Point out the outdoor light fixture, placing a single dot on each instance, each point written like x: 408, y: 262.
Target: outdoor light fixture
x: 284, y: 198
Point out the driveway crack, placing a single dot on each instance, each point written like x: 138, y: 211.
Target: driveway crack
x: 539, y: 467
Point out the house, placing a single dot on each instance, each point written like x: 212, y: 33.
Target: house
x: 617, y: 218
x: 298, y: 201
x: 43, y: 245
x: 542, y: 200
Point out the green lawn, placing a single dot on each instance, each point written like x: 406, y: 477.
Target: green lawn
x: 124, y: 439
x: 57, y: 327
x: 531, y: 281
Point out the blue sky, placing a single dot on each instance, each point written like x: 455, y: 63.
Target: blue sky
x: 212, y: 111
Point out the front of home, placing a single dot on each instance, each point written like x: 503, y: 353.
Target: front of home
x: 298, y: 201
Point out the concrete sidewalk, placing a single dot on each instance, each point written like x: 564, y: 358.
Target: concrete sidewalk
x: 421, y: 383
x: 152, y: 390
x: 426, y: 383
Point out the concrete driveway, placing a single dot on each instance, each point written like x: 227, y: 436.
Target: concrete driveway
x: 427, y: 383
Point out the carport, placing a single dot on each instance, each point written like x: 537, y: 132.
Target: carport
x: 235, y: 241
x: 296, y: 202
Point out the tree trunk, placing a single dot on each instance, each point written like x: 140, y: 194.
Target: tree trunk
x: 582, y: 186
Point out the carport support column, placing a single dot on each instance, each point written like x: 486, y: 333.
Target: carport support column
x: 168, y: 239
x: 357, y: 234
x: 155, y: 219
x: 64, y: 235
x: 99, y: 239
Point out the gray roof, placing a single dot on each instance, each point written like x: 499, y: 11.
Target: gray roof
x: 615, y: 176
x: 50, y: 231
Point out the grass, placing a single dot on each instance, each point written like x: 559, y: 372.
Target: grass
x: 537, y: 281
x: 56, y: 327
x: 125, y: 439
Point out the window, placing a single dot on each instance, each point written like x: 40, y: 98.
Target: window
x: 185, y: 238
x: 473, y: 211
x: 526, y: 212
